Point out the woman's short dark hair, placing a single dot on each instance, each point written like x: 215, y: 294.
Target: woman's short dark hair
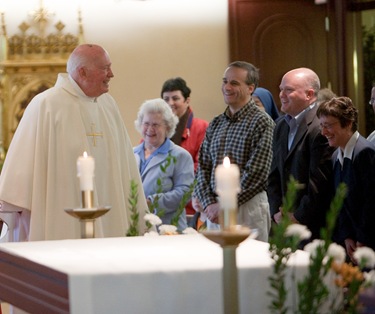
x: 174, y: 84
x: 341, y: 108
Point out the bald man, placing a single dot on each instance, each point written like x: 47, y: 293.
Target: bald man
x: 299, y: 150
x: 39, y: 177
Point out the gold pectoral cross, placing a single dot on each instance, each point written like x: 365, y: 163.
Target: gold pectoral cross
x: 94, y: 134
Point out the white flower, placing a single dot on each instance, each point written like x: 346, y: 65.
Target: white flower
x: 365, y: 256
x: 151, y: 234
x: 153, y: 219
x: 337, y: 252
x: 286, y: 251
x: 298, y: 230
x: 312, y: 246
x: 369, y: 277
x: 168, y: 229
x: 190, y: 230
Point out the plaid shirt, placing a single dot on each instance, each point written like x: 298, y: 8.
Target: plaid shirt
x: 246, y: 138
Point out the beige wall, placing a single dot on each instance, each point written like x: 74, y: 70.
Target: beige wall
x: 149, y: 41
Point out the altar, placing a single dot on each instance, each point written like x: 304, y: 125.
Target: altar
x: 161, y: 274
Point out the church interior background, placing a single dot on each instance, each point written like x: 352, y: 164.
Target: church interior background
x: 149, y: 41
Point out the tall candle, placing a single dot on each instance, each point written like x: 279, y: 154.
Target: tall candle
x: 227, y: 178
x: 85, y: 172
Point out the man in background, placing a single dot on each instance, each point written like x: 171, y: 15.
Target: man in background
x: 243, y: 133
x: 299, y: 150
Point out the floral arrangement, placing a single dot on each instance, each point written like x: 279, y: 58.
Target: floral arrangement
x: 153, y: 221
x: 327, y: 267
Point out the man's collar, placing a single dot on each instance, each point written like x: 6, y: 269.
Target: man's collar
x: 80, y: 91
x: 240, y: 111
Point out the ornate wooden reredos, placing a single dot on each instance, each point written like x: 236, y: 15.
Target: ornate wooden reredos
x: 29, y: 63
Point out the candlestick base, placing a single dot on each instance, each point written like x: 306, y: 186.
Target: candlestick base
x: 229, y: 239
x: 87, y: 218
x: 231, y: 236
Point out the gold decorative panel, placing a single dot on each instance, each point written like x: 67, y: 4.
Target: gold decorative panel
x: 29, y: 64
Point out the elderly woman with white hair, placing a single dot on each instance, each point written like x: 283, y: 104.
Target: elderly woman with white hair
x: 167, y: 170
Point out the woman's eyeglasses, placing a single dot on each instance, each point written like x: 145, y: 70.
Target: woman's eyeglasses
x: 327, y: 126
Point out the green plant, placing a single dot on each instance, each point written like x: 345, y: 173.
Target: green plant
x: 134, y: 214
x: 312, y: 290
x: 284, y: 241
x: 281, y: 248
x: 181, y: 206
x: 154, y: 205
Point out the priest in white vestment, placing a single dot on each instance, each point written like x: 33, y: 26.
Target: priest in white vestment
x: 39, y: 177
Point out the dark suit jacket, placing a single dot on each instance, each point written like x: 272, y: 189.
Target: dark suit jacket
x: 357, y: 217
x: 309, y: 162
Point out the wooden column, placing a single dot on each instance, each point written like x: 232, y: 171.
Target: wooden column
x: 340, y: 14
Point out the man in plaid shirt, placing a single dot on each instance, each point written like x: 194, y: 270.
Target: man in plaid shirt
x: 244, y: 133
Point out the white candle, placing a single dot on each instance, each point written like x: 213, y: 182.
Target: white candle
x: 227, y: 178
x: 85, y: 172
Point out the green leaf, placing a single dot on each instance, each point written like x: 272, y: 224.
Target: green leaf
x: 134, y: 216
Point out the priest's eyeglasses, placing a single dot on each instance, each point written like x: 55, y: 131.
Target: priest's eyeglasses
x: 155, y: 126
x: 327, y: 126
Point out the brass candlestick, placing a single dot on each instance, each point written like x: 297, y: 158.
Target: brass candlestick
x: 229, y: 237
x: 87, y: 214
x: 87, y: 199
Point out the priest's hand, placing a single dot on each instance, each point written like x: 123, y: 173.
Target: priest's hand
x: 212, y: 212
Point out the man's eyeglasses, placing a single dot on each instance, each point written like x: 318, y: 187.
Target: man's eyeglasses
x: 371, y: 102
x: 327, y: 126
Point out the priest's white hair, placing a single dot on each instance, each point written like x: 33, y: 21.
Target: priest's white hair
x: 83, y: 55
x: 157, y: 105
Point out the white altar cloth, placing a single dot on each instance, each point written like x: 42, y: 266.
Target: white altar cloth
x: 165, y: 274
